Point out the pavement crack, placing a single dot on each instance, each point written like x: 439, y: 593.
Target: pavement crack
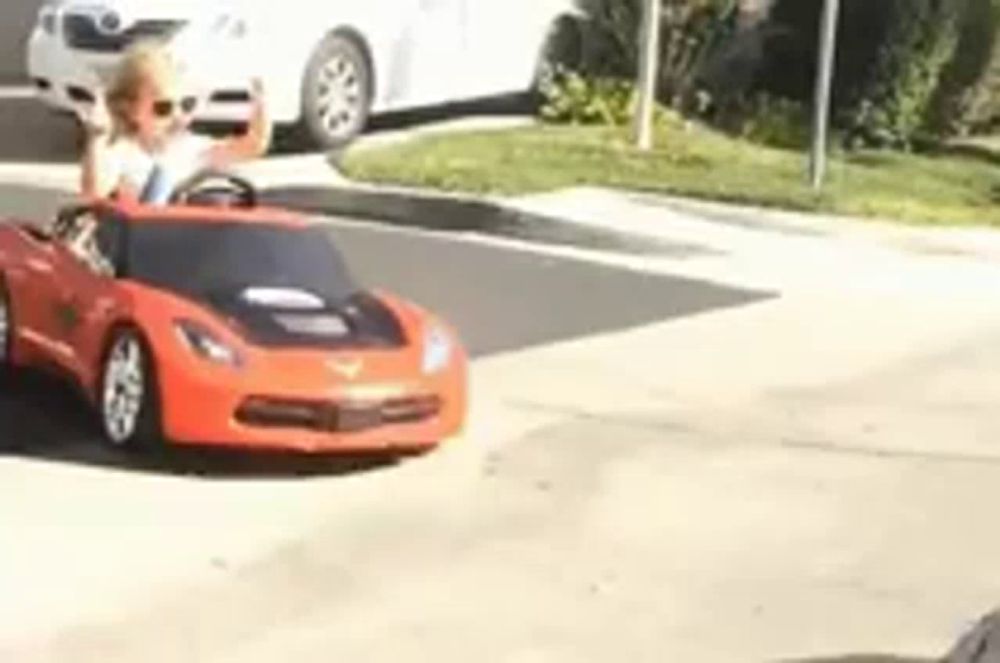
x: 624, y: 421
x: 888, y: 454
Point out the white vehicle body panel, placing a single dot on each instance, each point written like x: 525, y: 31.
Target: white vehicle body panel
x: 423, y: 52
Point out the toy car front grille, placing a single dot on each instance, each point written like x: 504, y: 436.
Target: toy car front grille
x: 83, y: 33
x: 266, y: 412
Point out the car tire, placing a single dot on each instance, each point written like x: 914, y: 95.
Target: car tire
x: 129, y: 399
x: 6, y: 328
x: 337, y: 92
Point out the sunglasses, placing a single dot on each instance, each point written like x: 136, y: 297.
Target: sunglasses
x: 164, y: 108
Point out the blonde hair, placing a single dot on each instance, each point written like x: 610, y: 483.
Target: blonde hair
x: 143, y: 62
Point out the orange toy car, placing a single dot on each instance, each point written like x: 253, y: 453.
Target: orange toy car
x: 214, y: 321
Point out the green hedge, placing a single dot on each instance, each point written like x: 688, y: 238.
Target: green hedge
x: 611, y: 37
x: 968, y: 98
x: 789, y: 67
x: 922, y: 41
x: 906, y: 69
x: 689, y: 29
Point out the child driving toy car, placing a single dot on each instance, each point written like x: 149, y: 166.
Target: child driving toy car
x: 138, y: 138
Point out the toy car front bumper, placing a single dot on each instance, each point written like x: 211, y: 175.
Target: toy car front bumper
x: 402, y: 416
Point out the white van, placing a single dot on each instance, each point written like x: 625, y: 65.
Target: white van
x: 326, y: 66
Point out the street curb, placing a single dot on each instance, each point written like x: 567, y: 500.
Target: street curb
x: 974, y: 241
x: 430, y: 210
x: 436, y: 210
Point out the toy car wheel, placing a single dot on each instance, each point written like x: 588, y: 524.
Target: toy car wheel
x: 129, y: 399
x: 6, y: 328
x: 337, y: 94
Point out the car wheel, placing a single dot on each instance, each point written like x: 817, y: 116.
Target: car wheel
x: 337, y: 94
x: 6, y: 328
x: 129, y: 398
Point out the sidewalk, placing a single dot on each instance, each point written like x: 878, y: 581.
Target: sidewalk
x: 769, y: 249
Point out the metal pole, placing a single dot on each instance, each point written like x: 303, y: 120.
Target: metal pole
x: 824, y: 84
x: 648, y: 67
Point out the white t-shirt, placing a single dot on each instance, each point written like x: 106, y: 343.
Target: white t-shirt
x: 129, y: 164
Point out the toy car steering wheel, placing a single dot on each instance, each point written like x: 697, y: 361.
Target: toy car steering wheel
x: 215, y: 188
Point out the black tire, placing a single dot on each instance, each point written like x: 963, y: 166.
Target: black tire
x: 329, y: 125
x: 6, y: 328
x: 144, y: 433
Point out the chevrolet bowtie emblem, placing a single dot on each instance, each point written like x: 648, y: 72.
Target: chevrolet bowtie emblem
x: 349, y: 369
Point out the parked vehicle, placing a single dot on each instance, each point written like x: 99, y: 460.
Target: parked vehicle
x: 327, y: 66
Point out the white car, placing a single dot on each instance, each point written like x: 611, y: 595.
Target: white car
x: 326, y: 66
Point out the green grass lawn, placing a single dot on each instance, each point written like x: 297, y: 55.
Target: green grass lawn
x: 694, y: 161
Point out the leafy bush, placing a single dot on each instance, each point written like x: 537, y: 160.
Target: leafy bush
x: 772, y: 121
x: 611, y: 31
x: 980, y: 105
x: 571, y: 98
x: 792, y: 50
x: 968, y: 98
x: 689, y: 30
x: 692, y: 29
x: 922, y: 41
x: 906, y: 69
x: 937, y: 65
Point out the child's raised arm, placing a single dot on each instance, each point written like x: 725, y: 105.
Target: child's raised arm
x: 97, y: 179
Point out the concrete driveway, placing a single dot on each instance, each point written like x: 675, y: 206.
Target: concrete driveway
x: 799, y: 477
x: 660, y: 466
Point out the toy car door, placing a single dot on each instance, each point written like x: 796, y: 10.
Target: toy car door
x: 86, y: 297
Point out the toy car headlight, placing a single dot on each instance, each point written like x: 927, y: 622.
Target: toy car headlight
x: 230, y: 26
x: 438, y: 349
x: 204, y: 344
x: 48, y: 19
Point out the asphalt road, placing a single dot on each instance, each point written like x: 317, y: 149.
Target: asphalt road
x: 16, y: 17
x: 31, y: 133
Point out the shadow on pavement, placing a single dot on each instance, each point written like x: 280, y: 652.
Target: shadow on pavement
x: 288, y: 143
x: 28, y: 430
x: 514, y: 105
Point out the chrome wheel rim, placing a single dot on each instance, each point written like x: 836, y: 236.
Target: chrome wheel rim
x: 340, y: 96
x: 4, y: 328
x: 123, y: 390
